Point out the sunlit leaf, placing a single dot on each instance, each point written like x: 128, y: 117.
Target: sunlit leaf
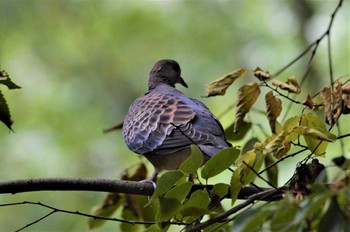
x: 317, y: 146
x: 245, y: 164
x: 168, y: 207
x: 261, y: 74
x: 273, y: 109
x: 289, y: 126
x: 316, y: 133
x: 219, y: 86
x: 220, y: 162
x: 247, y: 96
x: 278, y: 146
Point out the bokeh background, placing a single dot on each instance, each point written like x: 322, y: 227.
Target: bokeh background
x: 81, y: 63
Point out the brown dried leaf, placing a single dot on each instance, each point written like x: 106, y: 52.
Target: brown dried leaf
x: 291, y: 85
x: 261, y: 74
x: 273, y: 109
x: 326, y: 94
x: 6, y: 80
x: 346, y: 88
x: 346, y: 105
x: 292, y: 81
x: 219, y: 86
x: 247, y: 96
x: 337, y: 100
x: 278, y: 146
x: 308, y: 102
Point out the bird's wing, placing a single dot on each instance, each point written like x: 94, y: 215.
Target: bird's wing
x: 152, y: 121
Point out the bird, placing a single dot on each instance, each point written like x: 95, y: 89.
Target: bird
x: 163, y: 123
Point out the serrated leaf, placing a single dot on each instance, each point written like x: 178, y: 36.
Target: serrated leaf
x: 219, y: 86
x: 316, y: 133
x: 192, y: 163
x: 167, y: 181
x: 168, y: 207
x: 220, y: 162
x: 247, y: 96
x: 5, y: 80
x: 5, y: 116
x: 273, y: 109
x: 261, y: 74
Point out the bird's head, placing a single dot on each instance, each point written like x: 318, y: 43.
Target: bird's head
x: 165, y: 71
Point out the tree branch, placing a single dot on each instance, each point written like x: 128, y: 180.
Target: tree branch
x: 104, y: 185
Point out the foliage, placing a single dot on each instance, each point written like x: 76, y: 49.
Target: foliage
x: 309, y: 203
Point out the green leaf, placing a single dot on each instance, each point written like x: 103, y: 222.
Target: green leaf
x: 220, y: 162
x: 272, y: 173
x: 153, y: 228
x: 313, y: 121
x: 167, y: 181
x: 251, y: 160
x: 180, y: 191
x: 251, y: 220
x: 129, y: 215
x: 334, y: 219
x: 221, y: 189
x: 168, y: 207
x: 235, y: 186
x: 315, y: 133
x: 192, y: 163
x: 197, y: 204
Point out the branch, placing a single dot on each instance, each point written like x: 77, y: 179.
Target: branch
x: 104, y: 185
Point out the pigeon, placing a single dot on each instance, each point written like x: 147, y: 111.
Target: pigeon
x: 164, y: 123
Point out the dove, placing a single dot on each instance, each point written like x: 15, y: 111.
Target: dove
x: 164, y: 123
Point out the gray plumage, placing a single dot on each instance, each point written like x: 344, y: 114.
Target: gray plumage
x: 164, y: 123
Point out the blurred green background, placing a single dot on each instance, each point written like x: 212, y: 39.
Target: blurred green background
x: 81, y: 63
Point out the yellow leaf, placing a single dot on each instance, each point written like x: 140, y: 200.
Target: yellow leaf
x: 219, y: 86
x: 247, y: 96
x: 273, y: 109
x: 316, y: 133
x: 278, y: 146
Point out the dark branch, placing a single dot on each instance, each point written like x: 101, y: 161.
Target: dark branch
x: 103, y: 185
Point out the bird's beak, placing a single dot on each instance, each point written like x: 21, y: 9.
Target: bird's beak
x: 182, y: 82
